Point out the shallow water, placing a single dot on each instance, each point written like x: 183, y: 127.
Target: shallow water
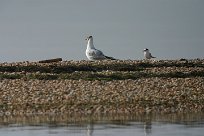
x: 134, y: 125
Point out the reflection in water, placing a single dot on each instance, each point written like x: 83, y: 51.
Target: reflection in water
x: 90, y: 129
x: 147, y: 125
x: 147, y: 128
x: 91, y: 125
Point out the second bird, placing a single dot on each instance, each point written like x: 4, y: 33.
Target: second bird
x: 147, y: 54
x: 94, y: 54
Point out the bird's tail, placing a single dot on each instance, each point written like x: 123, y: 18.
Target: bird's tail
x: 111, y: 58
x: 152, y: 56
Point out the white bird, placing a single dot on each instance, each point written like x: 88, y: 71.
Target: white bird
x: 147, y: 54
x: 92, y: 53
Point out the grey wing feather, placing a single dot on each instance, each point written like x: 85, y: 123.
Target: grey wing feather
x: 110, y: 58
x: 98, y: 53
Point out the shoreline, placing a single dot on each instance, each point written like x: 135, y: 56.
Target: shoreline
x: 102, y: 87
x: 63, y: 119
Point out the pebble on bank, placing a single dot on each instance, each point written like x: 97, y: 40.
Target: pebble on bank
x: 109, y: 87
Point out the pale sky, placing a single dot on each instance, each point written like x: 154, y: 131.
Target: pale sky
x: 32, y: 30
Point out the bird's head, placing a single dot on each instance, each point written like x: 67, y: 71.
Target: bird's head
x: 88, y: 38
x: 145, y: 50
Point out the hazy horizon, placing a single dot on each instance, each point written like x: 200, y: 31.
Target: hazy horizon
x: 32, y: 30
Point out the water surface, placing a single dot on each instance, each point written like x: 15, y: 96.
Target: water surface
x: 114, y: 125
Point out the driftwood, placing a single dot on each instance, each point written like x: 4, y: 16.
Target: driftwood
x: 51, y: 60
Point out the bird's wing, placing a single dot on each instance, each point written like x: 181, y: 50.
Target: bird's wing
x: 98, y: 53
x: 111, y: 58
x: 151, y: 55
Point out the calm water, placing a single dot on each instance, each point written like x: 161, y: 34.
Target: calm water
x: 137, y: 125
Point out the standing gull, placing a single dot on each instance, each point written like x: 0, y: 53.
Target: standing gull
x: 92, y: 53
x: 147, y: 54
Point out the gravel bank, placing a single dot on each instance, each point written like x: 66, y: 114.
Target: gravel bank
x: 116, y: 87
